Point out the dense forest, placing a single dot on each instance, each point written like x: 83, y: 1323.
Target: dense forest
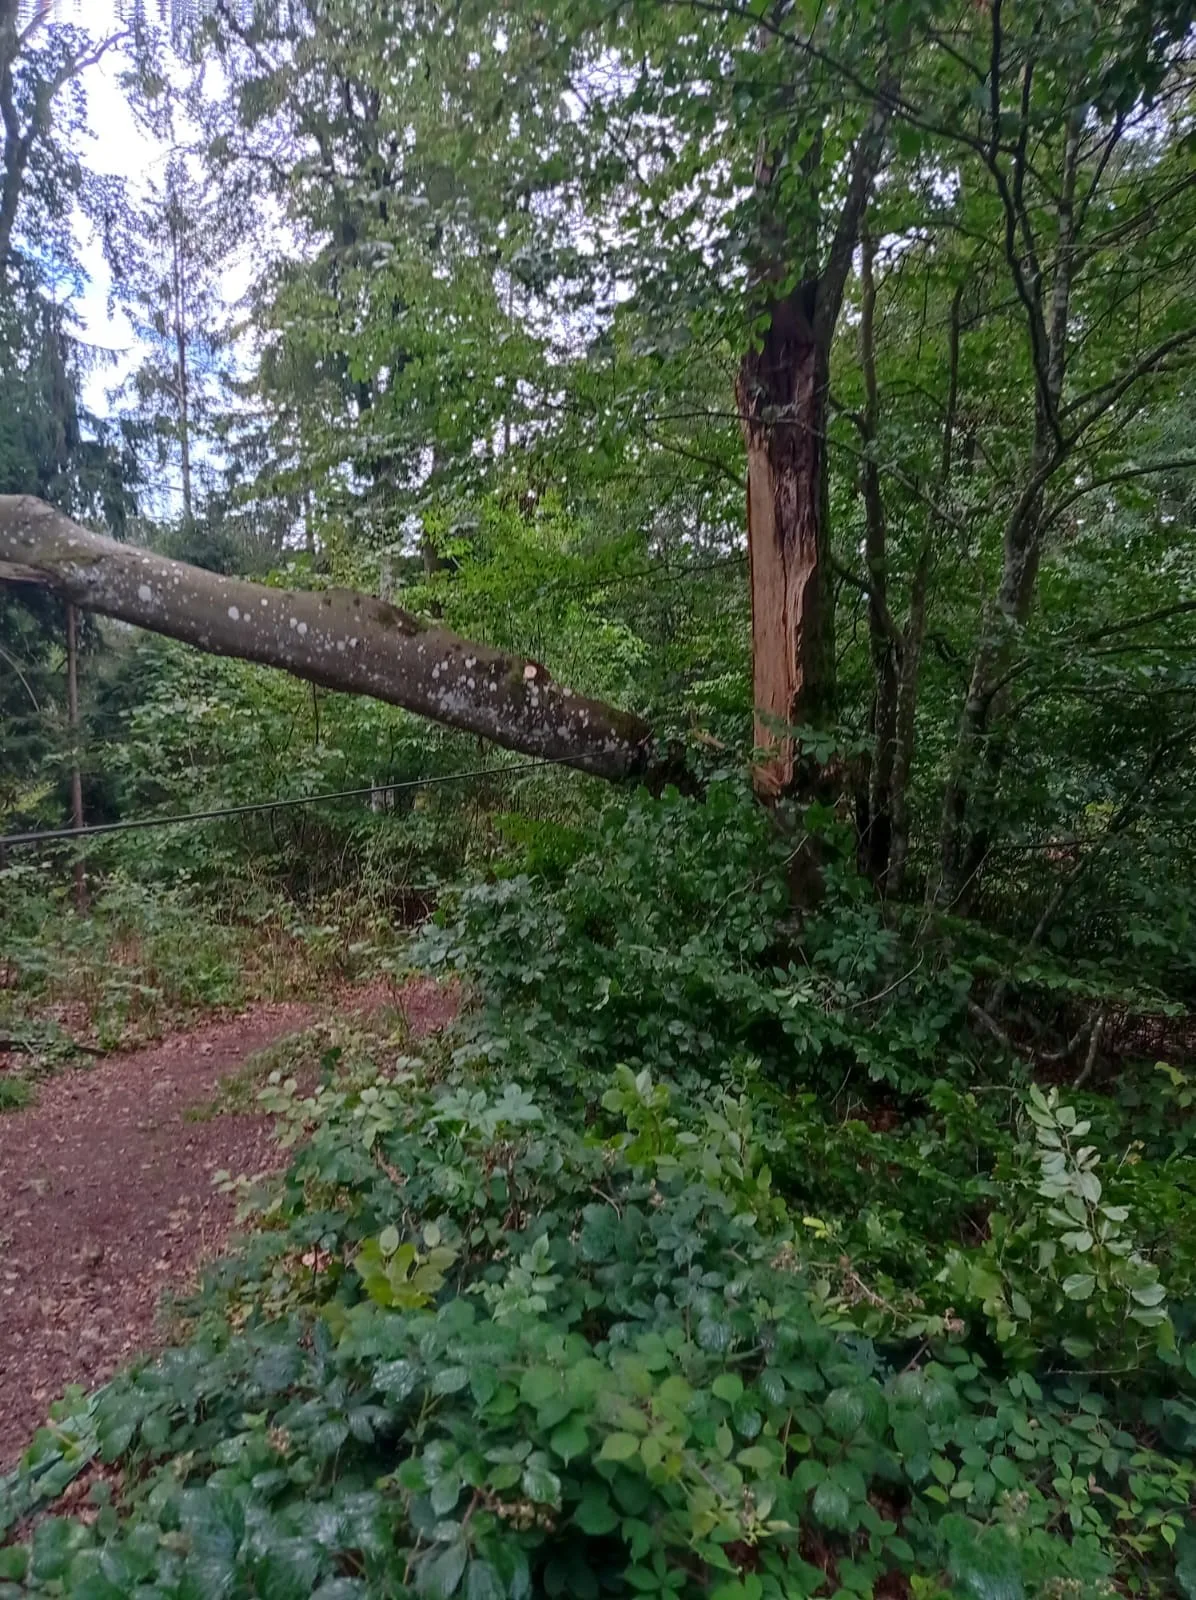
x: 676, y: 519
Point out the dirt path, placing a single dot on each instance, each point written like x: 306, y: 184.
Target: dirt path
x: 106, y: 1198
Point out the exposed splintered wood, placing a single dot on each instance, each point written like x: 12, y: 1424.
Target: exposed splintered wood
x: 782, y: 399
x: 336, y: 637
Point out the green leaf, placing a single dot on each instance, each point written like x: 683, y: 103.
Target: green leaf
x: 832, y: 1504
x: 445, y: 1493
x: 772, y: 1386
x: 1150, y: 1294
x: 595, y: 1515
x: 619, y: 1447
x: 14, y: 1559
x: 845, y: 1410
x: 727, y: 1386
x: 601, y: 1232
x: 569, y: 1440
x: 388, y: 1240
x: 439, y: 1575
x: 1004, y: 1471
x: 1185, y: 1565
x: 539, y: 1385
x: 482, y: 1582
x: 449, y: 1380
x: 987, y: 1567
x: 1079, y: 1285
x: 396, y: 1379
x: 541, y: 1484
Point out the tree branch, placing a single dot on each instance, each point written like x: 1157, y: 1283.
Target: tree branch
x: 345, y: 641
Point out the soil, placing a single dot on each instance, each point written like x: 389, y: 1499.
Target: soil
x: 106, y: 1197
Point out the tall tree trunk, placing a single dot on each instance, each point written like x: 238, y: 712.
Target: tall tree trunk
x: 14, y: 147
x: 184, y: 380
x: 904, y: 724
x: 883, y: 641
x: 782, y: 394
x: 782, y: 391
x: 977, y: 756
x: 345, y: 641
x: 72, y: 717
x: 914, y: 633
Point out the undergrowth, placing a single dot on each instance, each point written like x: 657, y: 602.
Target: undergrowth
x: 147, y: 957
x: 713, y: 1254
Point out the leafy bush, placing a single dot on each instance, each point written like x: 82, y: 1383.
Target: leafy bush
x: 667, y: 940
x: 473, y: 1352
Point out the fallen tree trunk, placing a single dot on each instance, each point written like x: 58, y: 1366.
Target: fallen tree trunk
x: 333, y: 637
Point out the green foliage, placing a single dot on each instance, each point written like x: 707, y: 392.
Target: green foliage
x: 668, y: 940
x: 474, y: 1352
x: 1065, y: 1272
x: 147, y: 956
x: 641, y: 1312
x: 16, y: 1092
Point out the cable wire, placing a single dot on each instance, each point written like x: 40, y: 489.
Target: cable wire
x: 47, y: 835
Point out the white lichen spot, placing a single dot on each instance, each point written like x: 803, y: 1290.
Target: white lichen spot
x: 302, y: 629
x: 233, y: 614
x: 529, y: 672
x: 493, y: 686
x: 340, y: 645
x: 294, y: 622
x: 264, y: 602
x: 145, y: 593
x: 352, y: 644
x: 471, y: 683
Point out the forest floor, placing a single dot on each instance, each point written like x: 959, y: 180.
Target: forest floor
x: 107, y: 1196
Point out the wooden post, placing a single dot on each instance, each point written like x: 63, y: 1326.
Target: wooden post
x: 72, y: 712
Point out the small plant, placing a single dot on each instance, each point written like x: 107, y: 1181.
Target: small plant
x: 16, y: 1092
x: 1066, y: 1269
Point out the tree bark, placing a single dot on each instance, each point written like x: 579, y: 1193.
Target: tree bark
x: 883, y: 644
x: 782, y: 394
x: 905, y: 727
x: 72, y: 714
x: 181, y: 331
x: 337, y: 638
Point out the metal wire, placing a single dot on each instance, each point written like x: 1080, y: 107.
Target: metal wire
x: 47, y: 835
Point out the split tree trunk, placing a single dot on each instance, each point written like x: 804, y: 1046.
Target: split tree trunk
x: 782, y: 393
x: 340, y: 639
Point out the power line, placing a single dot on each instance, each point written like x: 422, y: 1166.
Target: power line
x: 47, y: 835
x: 659, y: 572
